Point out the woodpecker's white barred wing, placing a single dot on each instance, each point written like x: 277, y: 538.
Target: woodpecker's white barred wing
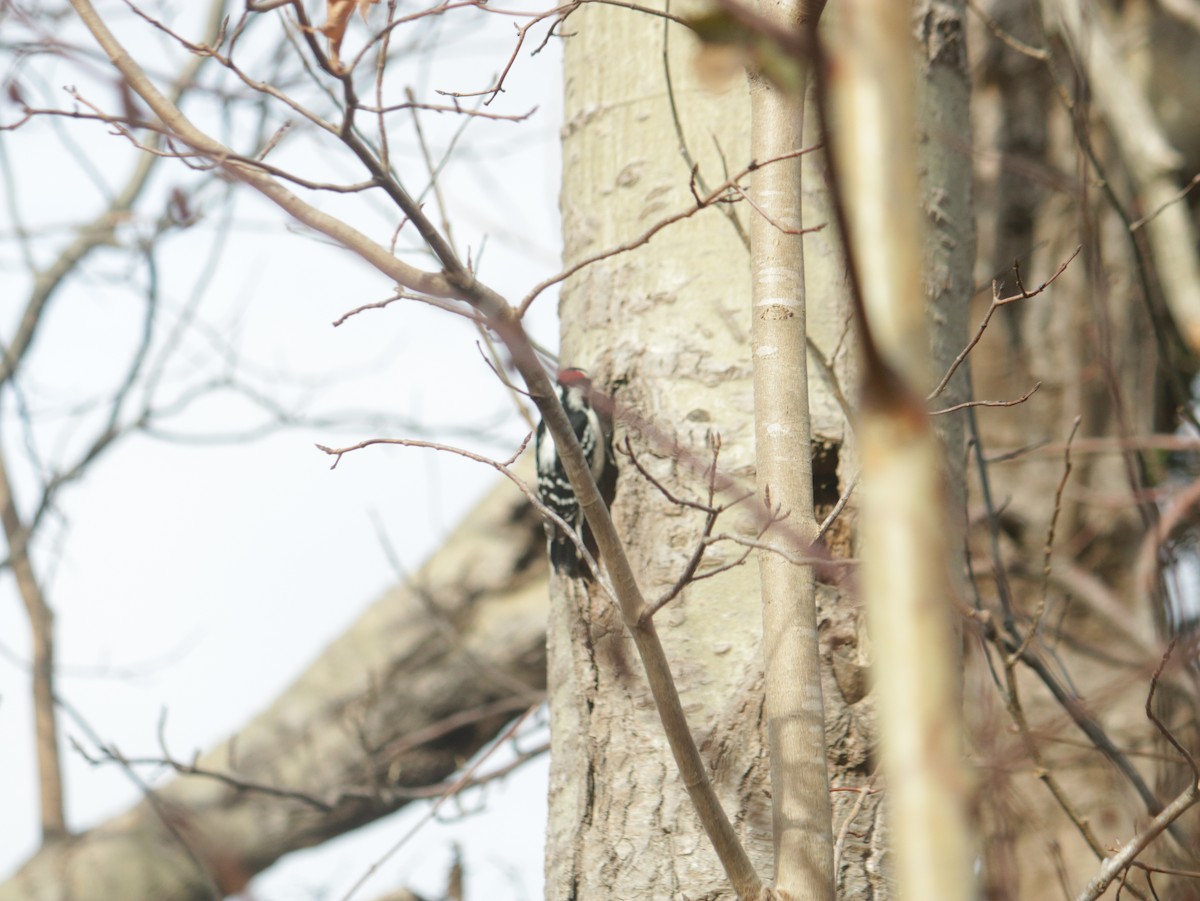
x: 554, y: 488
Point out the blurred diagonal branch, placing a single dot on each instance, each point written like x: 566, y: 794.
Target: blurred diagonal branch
x: 368, y: 712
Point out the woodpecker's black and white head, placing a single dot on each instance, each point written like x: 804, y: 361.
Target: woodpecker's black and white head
x: 554, y: 488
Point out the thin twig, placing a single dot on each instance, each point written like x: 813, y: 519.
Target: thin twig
x: 778, y: 226
x: 1048, y: 548
x: 173, y: 823
x: 717, y: 195
x: 816, y: 559
x: 1119, y: 862
x: 863, y: 791
x: 1183, y: 192
x: 450, y: 792
x: 1160, y: 725
x: 988, y: 403
x: 1004, y: 36
x: 710, y: 519
x: 388, y: 797
x: 501, y: 466
x: 447, y: 305
x: 829, y: 520
x: 662, y: 489
x: 692, y: 166
x: 997, y: 302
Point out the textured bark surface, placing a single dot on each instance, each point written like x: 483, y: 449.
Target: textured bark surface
x: 944, y: 161
x: 466, y: 634
x: 666, y: 328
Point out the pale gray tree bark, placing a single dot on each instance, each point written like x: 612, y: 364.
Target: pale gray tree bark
x: 666, y: 327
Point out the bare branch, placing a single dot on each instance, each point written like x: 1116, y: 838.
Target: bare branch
x: 988, y: 403
x: 387, y: 797
x: 407, y: 275
x: 997, y: 302
x: 1118, y: 863
x: 1183, y: 192
x: 720, y: 194
x: 1048, y: 549
x: 815, y: 559
x: 438, y: 302
x: 41, y: 625
x: 451, y: 791
x: 503, y: 467
x: 828, y: 521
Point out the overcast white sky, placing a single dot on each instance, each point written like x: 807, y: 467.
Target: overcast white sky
x: 199, y: 579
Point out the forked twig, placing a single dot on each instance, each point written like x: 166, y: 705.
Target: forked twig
x: 501, y: 466
x: 717, y: 195
x: 997, y: 303
x: 988, y: 403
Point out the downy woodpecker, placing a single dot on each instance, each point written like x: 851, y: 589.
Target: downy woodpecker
x: 554, y: 489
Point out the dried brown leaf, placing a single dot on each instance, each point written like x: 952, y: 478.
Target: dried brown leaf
x: 337, y: 17
x: 13, y: 88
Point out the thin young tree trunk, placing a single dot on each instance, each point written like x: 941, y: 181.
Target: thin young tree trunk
x: 793, y: 707
x: 41, y: 625
x: 908, y: 564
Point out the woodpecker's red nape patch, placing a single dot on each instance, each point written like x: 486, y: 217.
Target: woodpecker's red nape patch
x: 572, y: 377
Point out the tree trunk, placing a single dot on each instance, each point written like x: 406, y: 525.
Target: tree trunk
x: 666, y: 328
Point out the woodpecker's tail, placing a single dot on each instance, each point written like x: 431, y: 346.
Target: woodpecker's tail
x: 564, y: 557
